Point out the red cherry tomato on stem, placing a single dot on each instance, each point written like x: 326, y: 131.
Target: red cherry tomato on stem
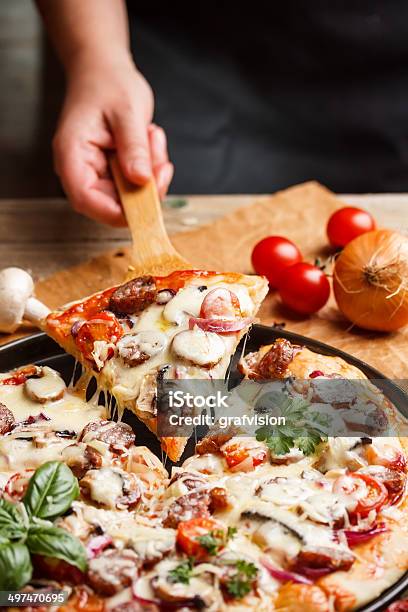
x: 304, y: 288
x: 272, y: 255
x: 347, y: 223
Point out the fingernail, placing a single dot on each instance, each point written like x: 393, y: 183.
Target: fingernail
x: 159, y: 142
x: 140, y: 168
x: 165, y: 175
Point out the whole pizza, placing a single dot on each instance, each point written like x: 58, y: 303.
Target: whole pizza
x: 92, y: 520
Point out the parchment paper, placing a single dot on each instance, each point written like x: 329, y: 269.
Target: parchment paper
x: 299, y: 213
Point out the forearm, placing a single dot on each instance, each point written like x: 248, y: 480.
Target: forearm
x: 87, y: 31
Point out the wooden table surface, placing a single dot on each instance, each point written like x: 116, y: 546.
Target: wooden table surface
x: 45, y: 235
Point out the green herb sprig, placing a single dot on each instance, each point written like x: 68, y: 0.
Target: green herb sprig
x: 240, y: 583
x: 304, y: 428
x: 27, y: 527
x: 183, y: 572
x: 216, y: 539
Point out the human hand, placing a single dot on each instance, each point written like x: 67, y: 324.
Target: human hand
x: 108, y: 106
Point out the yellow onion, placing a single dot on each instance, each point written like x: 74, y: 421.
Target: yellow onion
x: 370, y: 280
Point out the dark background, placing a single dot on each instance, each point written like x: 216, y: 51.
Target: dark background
x: 31, y: 83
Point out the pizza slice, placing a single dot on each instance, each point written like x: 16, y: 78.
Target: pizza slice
x: 186, y: 325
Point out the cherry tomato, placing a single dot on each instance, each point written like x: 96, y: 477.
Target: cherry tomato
x: 272, y: 255
x: 189, y: 532
x: 388, y: 456
x: 370, y: 493
x: 304, y: 288
x: 347, y: 223
x: 102, y: 326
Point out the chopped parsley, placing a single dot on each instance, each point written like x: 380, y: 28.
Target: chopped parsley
x: 304, y: 428
x: 240, y: 583
x: 183, y: 572
x: 213, y: 541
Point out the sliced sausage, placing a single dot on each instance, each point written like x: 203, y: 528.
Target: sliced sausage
x: 6, y: 419
x: 212, y: 443
x: 134, y: 296
x: 81, y: 458
x: 276, y: 361
x: 323, y: 557
x: 189, y: 506
x: 117, y: 435
x: 219, y: 499
x: 113, y: 571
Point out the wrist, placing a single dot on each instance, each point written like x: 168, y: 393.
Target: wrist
x: 90, y: 62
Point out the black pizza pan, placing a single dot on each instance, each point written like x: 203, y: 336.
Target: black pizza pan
x: 40, y: 349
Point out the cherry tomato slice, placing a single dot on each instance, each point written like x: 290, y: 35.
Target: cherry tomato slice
x: 17, y: 484
x: 388, y: 456
x: 103, y: 326
x: 220, y: 303
x: 272, y: 255
x: 347, y: 223
x: 238, y: 453
x: 189, y: 532
x: 304, y: 288
x: 20, y: 376
x: 369, y: 492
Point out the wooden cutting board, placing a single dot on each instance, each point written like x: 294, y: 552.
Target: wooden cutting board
x: 299, y: 213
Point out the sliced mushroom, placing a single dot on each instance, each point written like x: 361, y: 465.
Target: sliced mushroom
x: 111, y: 488
x: 137, y: 348
x: 49, y: 387
x: 164, y: 296
x: 199, y: 593
x: 151, y: 543
x: 342, y: 452
x: 280, y: 540
x: 199, y: 347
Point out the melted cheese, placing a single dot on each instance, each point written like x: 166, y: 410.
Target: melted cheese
x: 69, y: 413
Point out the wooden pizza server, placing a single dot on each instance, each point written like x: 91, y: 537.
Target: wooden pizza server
x: 151, y: 251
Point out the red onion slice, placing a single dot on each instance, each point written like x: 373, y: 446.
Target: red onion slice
x: 283, y: 575
x: 358, y: 537
x: 220, y: 326
x: 97, y: 544
x: 142, y: 600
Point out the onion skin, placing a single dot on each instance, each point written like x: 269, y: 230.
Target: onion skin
x: 370, y: 281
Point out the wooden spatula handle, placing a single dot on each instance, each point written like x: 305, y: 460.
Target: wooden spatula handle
x: 143, y: 212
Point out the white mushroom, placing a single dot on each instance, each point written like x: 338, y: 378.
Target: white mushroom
x: 199, y: 347
x: 17, y: 301
x: 139, y: 347
x: 49, y: 387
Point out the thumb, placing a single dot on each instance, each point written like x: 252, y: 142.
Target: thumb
x: 132, y: 144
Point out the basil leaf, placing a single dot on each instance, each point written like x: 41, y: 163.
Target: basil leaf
x: 57, y: 543
x: 15, y: 566
x: 11, y: 522
x: 51, y: 490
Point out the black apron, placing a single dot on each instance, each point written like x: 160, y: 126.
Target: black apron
x: 257, y: 98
